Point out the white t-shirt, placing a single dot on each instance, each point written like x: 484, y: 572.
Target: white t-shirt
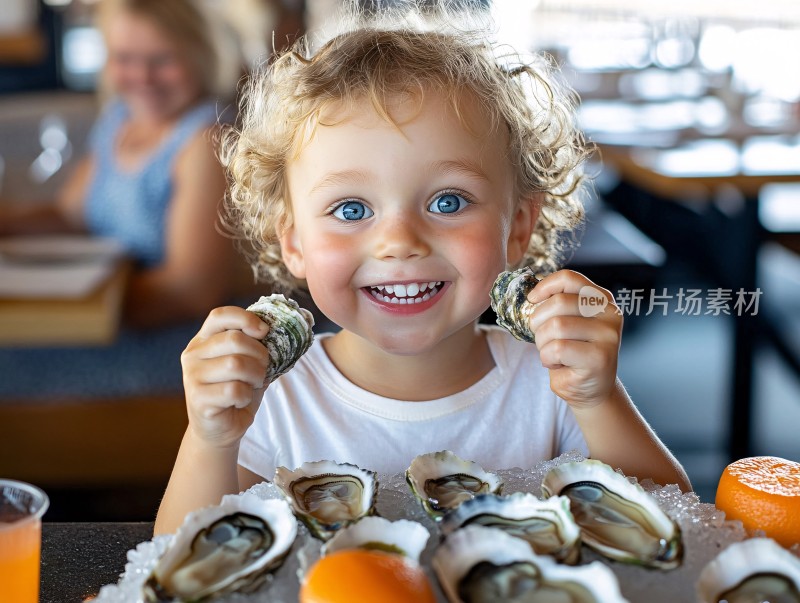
x: 510, y: 418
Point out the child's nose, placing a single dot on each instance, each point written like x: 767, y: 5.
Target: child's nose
x: 401, y: 238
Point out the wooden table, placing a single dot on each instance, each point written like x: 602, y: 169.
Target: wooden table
x: 93, y: 319
x: 725, y: 244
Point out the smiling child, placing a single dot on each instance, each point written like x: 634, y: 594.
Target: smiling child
x: 396, y: 172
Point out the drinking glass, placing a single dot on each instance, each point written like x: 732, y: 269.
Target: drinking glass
x: 21, y: 508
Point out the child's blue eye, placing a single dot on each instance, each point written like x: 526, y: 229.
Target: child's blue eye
x: 448, y: 204
x: 352, y: 210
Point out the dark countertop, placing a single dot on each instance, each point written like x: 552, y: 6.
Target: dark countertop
x: 79, y: 558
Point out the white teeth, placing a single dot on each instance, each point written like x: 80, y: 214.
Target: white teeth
x: 406, y: 293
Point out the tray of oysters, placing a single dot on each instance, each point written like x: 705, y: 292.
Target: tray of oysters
x: 567, y: 530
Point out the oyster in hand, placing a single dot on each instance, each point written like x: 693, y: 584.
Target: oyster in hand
x: 223, y: 549
x: 290, y: 333
x: 509, y: 297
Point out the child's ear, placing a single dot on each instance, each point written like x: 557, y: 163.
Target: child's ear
x: 522, y: 224
x: 292, y: 251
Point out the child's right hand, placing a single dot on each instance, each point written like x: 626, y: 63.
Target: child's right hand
x: 224, y: 367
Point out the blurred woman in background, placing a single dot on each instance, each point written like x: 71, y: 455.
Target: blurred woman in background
x: 151, y: 181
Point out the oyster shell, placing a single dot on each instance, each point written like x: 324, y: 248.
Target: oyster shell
x: 327, y: 495
x: 404, y: 537
x: 509, y: 298
x: 442, y: 481
x: 290, y: 333
x: 758, y: 569
x: 479, y: 564
x: 546, y: 525
x: 221, y: 549
x: 617, y: 518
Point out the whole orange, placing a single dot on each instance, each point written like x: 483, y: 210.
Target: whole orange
x: 763, y: 492
x: 366, y: 576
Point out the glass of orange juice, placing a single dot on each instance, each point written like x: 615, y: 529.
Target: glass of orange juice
x: 21, y: 510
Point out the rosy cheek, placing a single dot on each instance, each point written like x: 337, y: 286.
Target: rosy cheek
x: 331, y: 259
x: 474, y: 256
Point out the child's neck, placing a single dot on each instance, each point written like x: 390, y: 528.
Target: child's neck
x: 452, y: 366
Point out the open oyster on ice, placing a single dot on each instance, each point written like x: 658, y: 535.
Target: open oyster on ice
x: 617, y: 518
x: 222, y: 549
x: 546, y: 525
x: 509, y: 298
x: 403, y: 537
x: 327, y: 495
x: 751, y: 571
x: 442, y: 481
x: 290, y: 333
x: 479, y: 564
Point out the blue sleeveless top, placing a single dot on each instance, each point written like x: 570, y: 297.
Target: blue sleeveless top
x: 132, y: 206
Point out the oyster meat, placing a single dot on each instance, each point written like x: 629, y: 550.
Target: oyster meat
x: 403, y: 537
x: 546, y: 525
x: 617, y: 518
x: 442, y: 481
x: 479, y: 564
x: 751, y: 571
x: 290, y: 333
x: 222, y: 549
x: 327, y: 495
x: 509, y: 298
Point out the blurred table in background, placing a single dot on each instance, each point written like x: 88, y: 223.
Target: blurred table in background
x: 60, y: 291
x: 702, y: 201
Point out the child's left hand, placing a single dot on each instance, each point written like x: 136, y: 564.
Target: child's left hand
x: 578, y: 342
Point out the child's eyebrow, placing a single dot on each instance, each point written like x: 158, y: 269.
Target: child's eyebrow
x: 341, y: 177
x: 459, y: 166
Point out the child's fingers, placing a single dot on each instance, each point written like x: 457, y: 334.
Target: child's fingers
x: 577, y: 328
x: 559, y: 304
x: 594, y: 358
x: 216, y: 398
x: 233, y: 367
x: 229, y: 343
x: 232, y: 318
x: 564, y: 281
x: 569, y: 304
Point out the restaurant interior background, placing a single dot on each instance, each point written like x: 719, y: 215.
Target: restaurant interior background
x: 696, y: 108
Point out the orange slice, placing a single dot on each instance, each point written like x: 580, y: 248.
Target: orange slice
x: 763, y: 492
x: 366, y: 576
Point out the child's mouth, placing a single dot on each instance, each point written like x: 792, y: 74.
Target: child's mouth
x: 405, y: 293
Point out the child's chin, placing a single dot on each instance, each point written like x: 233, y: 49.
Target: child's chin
x: 404, y: 345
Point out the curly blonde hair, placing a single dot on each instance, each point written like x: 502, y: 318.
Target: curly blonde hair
x: 377, y: 57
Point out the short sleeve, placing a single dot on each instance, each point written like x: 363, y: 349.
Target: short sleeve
x: 254, y: 452
x: 570, y: 436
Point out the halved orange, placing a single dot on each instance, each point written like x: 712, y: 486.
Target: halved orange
x: 763, y: 492
x: 366, y: 576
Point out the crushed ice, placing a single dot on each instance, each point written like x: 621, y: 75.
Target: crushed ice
x: 705, y: 534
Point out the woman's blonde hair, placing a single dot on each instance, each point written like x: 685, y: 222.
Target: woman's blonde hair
x: 377, y: 57
x: 185, y: 22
